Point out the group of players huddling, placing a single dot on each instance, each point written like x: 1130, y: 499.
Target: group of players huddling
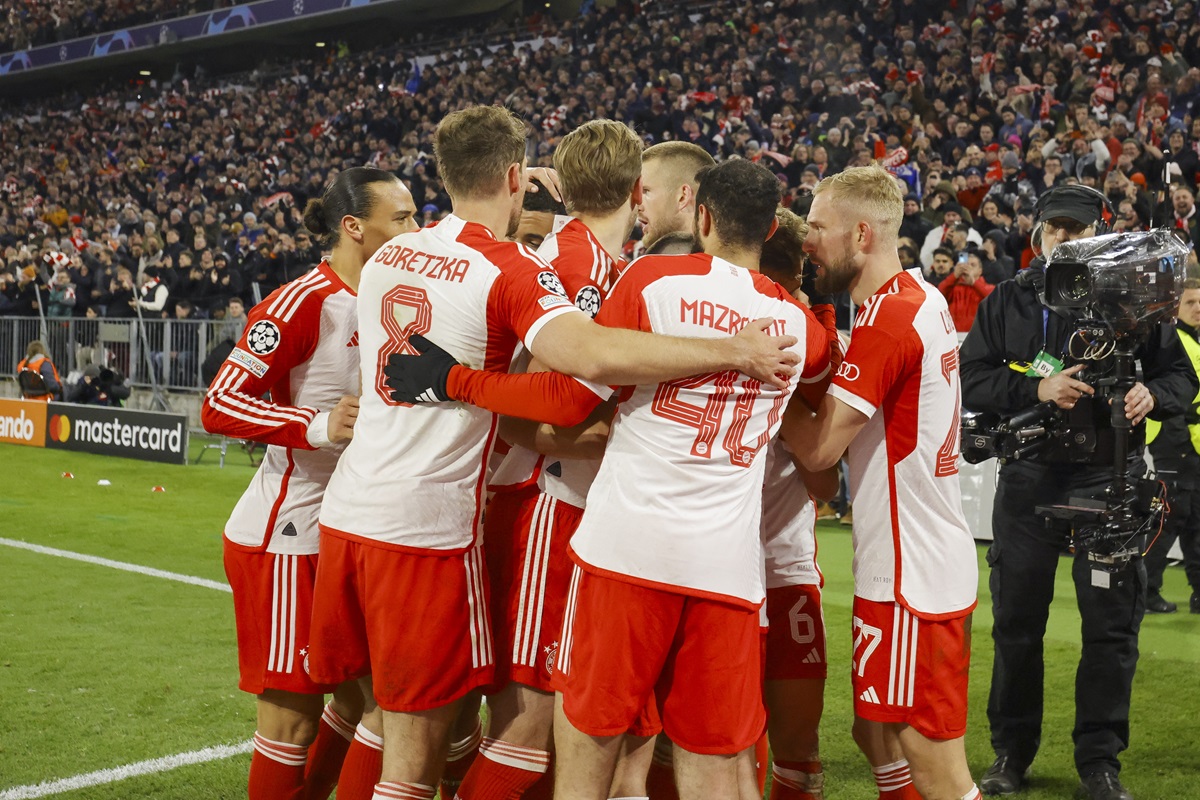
x: 633, y: 584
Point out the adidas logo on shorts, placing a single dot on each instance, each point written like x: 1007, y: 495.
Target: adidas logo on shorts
x: 869, y: 696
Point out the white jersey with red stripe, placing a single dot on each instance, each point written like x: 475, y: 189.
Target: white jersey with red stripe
x: 300, y: 348
x: 789, y: 520
x: 587, y: 273
x: 911, y: 541
x: 413, y: 476
x: 678, y: 499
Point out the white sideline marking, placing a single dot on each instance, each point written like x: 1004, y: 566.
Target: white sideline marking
x: 107, y: 562
x: 150, y: 767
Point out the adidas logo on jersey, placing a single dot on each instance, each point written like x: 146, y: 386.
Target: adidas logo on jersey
x: 353, y: 340
x: 813, y: 657
x: 869, y: 696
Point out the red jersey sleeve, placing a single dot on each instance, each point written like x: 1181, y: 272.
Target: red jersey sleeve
x: 526, y: 295
x: 260, y: 365
x: 879, y: 355
x: 549, y: 397
x: 585, y: 269
x: 818, y: 351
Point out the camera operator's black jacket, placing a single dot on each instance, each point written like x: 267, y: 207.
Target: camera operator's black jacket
x: 1011, y: 327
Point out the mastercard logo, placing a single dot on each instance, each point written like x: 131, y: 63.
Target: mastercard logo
x: 60, y: 427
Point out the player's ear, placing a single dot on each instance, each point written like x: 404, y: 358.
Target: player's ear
x: 686, y: 196
x: 352, y: 227
x: 635, y: 196
x: 704, y: 222
x: 515, y: 178
x: 773, y: 229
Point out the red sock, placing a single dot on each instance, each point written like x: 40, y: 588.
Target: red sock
x: 326, y: 754
x: 361, y: 768
x: 762, y: 761
x: 895, y: 782
x: 403, y: 791
x: 459, y: 760
x: 544, y: 788
x: 503, y: 771
x: 277, y: 770
x: 660, y: 780
x: 797, y: 780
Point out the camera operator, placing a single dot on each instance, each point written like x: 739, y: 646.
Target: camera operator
x: 1175, y: 446
x: 1014, y: 333
x: 99, y: 386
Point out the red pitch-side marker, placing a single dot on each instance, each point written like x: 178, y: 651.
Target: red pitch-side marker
x: 158, y: 489
x: 68, y: 475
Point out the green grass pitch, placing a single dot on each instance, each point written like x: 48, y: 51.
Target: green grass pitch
x: 101, y: 668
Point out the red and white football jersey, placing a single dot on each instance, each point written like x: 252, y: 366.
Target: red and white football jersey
x: 300, y: 347
x: 413, y: 476
x: 678, y: 499
x: 587, y: 273
x: 911, y: 541
x: 789, y: 519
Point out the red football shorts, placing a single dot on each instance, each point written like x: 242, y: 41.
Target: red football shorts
x: 698, y: 658
x: 527, y: 533
x: 272, y: 605
x: 795, y: 633
x: 911, y: 670
x: 417, y: 624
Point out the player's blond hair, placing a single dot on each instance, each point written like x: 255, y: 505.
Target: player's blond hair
x: 598, y: 164
x: 476, y: 147
x: 684, y: 161
x: 867, y: 194
x: 784, y: 252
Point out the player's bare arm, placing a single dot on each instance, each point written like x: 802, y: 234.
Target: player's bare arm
x: 573, y: 344
x: 818, y: 440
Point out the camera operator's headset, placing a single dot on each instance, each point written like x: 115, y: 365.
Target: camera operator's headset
x: 1086, y: 194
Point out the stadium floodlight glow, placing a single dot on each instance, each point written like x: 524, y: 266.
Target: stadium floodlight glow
x: 320, y: 44
x: 144, y: 73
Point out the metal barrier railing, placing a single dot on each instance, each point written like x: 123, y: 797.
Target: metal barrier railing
x: 152, y: 352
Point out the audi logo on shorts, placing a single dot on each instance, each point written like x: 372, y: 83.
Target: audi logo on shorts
x: 848, y: 371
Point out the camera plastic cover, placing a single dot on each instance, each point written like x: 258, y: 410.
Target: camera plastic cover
x: 1130, y: 280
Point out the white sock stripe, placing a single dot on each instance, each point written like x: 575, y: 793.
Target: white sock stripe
x: 403, y: 791
x: 364, y: 735
x: 512, y: 755
x: 339, y: 723
x: 292, y: 755
x: 464, y: 746
x: 895, y: 766
x: 798, y: 780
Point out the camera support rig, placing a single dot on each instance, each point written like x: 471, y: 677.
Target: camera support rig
x: 1114, y: 530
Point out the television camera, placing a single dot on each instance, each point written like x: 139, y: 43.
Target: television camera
x: 1116, y: 289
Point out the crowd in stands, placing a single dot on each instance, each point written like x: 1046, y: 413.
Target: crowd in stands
x: 32, y: 23
x: 195, y: 191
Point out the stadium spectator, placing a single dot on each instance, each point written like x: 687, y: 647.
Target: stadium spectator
x: 37, y: 376
x: 964, y: 288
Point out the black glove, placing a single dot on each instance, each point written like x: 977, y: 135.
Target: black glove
x: 808, y: 285
x: 421, y: 378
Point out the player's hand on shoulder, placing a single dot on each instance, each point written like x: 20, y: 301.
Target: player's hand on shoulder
x: 342, y: 419
x: 763, y: 356
x: 420, y: 378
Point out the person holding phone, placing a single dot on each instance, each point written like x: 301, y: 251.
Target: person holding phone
x: 964, y: 288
